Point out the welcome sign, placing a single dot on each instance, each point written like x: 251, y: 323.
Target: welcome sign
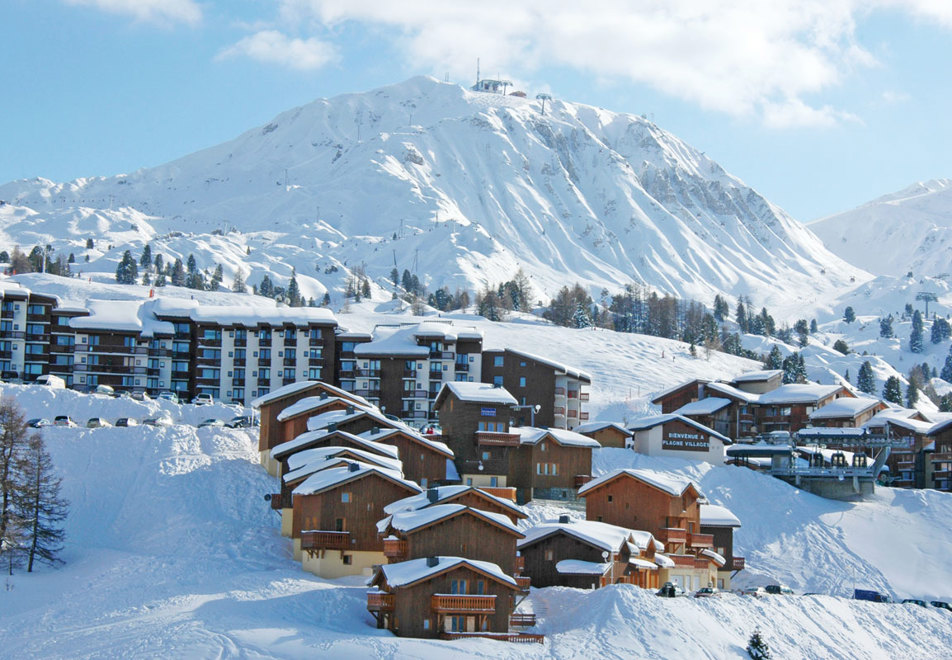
x: 680, y: 441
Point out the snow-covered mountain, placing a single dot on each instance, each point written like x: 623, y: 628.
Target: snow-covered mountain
x: 459, y: 187
x: 906, y: 231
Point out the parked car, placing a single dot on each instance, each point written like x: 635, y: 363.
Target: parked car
x: 211, y: 422
x: 127, y: 421
x: 162, y: 420
x: 778, y: 590
x: 37, y: 422
x: 757, y: 592
x: 168, y: 396
x: 942, y: 605
x: 108, y: 390
x: 63, y: 420
x: 670, y: 590
x: 241, y: 422
x: 203, y: 399
x: 707, y: 592
x: 870, y: 595
x: 50, y: 381
x: 914, y: 601
x: 96, y: 423
x: 141, y: 396
x: 10, y: 377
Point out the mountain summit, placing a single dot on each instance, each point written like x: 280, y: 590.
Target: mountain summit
x: 460, y: 187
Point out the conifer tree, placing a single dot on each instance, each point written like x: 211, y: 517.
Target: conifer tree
x: 865, y: 380
x: 813, y: 327
x: 581, y: 318
x: 757, y: 647
x: 849, y: 315
x: 178, y: 273
x: 740, y: 315
x: 774, y: 359
x: 89, y: 244
x: 13, y: 444
x: 217, y: 277
x: 159, y: 263
x: 885, y: 326
x: 127, y: 272
x: 294, y: 293
x: 915, y: 337
x: 146, y: 259
x: 266, y: 288
x: 40, y: 505
x: 912, y: 395
x: 892, y: 390
x: 238, y: 284
x: 160, y: 280
x: 946, y: 373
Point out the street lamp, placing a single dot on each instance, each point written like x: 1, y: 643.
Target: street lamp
x: 532, y: 411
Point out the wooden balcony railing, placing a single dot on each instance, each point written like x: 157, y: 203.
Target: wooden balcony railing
x: 458, y: 604
x: 523, y: 581
x: 673, y: 535
x: 497, y: 439
x: 559, y: 391
x: 700, y: 540
x: 582, y: 479
x: 522, y: 619
x: 378, y: 602
x: 394, y: 549
x: 277, y: 501
x: 517, y: 638
x: 324, y: 540
x: 685, y: 560
x: 738, y: 563
x: 583, y: 396
x: 583, y: 416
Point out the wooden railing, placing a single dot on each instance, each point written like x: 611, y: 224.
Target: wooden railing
x: 394, y: 548
x: 497, y: 439
x: 523, y: 581
x: 377, y: 602
x: 582, y: 479
x: 700, y: 540
x: 673, y: 535
x: 323, y: 540
x: 522, y: 620
x: 583, y: 396
x: 517, y: 638
x: 683, y: 560
x: 459, y: 604
x: 738, y: 563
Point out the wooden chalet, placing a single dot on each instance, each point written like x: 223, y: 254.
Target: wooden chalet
x: 788, y: 408
x: 335, y: 514
x: 426, y: 460
x: 608, y: 434
x: 451, y: 529
x: 292, y: 421
x: 586, y: 554
x: 444, y: 597
x: 720, y: 522
x: 911, y: 463
x: 549, y: 463
x: 846, y: 412
x: 665, y: 506
x: 941, y: 459
x: 470, y: 496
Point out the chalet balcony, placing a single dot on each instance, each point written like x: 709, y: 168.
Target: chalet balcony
x: 378, y: 602
x: 573, y: 413
x: 523, y: 581
x: 237, y: 382
x: 215, y: 343
x: 395, y: 549
x: 369, y: 373
x: 6, y: 355
x: 264, y: 341
x: 738, y: 563
x: 459, y: 604
x: 316, y: 341
x: 264, y: 382
x: 323, y: 540
x: 315, y: 362
x: 290, y: 362
x: 583, y: 396
x: 288, y: 381
x: 241, y: 342
x: 180, y: 375
x: 582, y: 479
x: 264, y: 362
x: 348, y: 373
x: 943, y: 457
x: 409, y: 373
x: 290, y: 341
x: 7, y: 314
x: 494, y: 439
x: 687, y: 561
x: 435, y: 375
x: 240, y: 362
x: 673, y: 535
x: 368, y: 391
x: 462, y: 366
x: 522, y: 619
x: 700, y: 540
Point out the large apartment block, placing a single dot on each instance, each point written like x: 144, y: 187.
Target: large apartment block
x: 236, y: 353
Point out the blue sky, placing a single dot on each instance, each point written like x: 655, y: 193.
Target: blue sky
x: 818, y: 104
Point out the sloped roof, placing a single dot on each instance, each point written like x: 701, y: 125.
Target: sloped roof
x: 733, y: 392
x: 579, y: 567
x: 558, y: 366
x: 320, y: 481
x: 380, y: 435
x: 291, y: 446
x: 845, y: 407
x: 665, y: 481
x: 310, y: 461
x: 798, y: 393
x: 480, y: 393
x: 529, y: 435
x: 716, y: 515
x: 310, y: 403
x: 340, y: 416
x: 597, y: 534
x: 707, y: 406
x: 656, y: 420
x: 674, y: 388
x: 294, y: 388
x: 758, y: 376
x: 408, y: 521
x: 592, y: 427
x: 405, y: 573
x: 445, y: 493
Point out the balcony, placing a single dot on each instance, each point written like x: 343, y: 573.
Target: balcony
x: 573, y: 413
x: 738, y: 563
x: 559, y: 411
x: 700, y: 540
x: 315, y: 362
x: 573, y: 394
x: 673, y: 535
x: 436, y: 375
x: 369, y: 373
x: 409, y: 373
x: 240, y: 362
x: 316, y: 341
x: 583, y: 416
x: 462, y: 366
x: 290, y: 341
x: 379, y: 602
x: 522, y: 619
x: 582, y: 479
x: 457, y: 604
x: 290, y: 362
x: 494, y: 439
x: 264, y: 362
x: 237, y: 382
x: 323, y: 540
x: 943, y: 457
x: 688, y: 561
x: 523, y: 582
x: 241, y: 341
x: 277, y: 502
x: 368, y: 392
x: 583, y: 396
x: 264, y: 382
x: 395, y: 549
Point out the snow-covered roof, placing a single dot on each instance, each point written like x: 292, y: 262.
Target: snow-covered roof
x: 579, y: 567
x: 289, y: 447
x: 310, y: 403
x: 122, y: 316
x: 716, y: 515
x: 707, y: 406
x: 310, y: 461
x: 798, y: 393
x: 597, y: 534
x: 830, y: 432
x: 664, y: 561
x: 251, y: 316
x: 913, y: 425
x: 643, y: 563
x: 656, y: 420
x: 668, y: 482
x: 408, y: 521
x: 320, y: 481
x: 592, y: 427
x: 282, y: 392
x: 445, y: 493
x: 558, y: 366
x: 388, y: 340
x: 758, y: 376
x: 733, y: 392
x: 380, y: 435
x: 480, y: 393
x: 529, y: 435
x: 340, y: 416
x: 845, y: 406
x: 718, y: 559
x: 758, y: 449
x: 674, y: 388
x: 406, y: 573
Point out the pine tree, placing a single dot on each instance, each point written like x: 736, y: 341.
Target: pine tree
x: 800, y: 370
x: 178, y: 273
x: 885, y: 327
x: 191, y: 266
x: 841, y: 346
x: 41, y: 505
x: 217, y: 276
x: 238, y: 284
x: 849, y: 315
x: 71, y: 260
x: 395, y: 276
x: 945, y: 403
x: 740, y: 315
x: 159, y: 263
x: 892, y: 390
x: 865, y: 380
x: 946, y: 373
x: 89, y: 244
x: 146, y: 278
x: 146, y: 259
x: 365, y: 288
x: 160, y: 280
x: 912, y: 396
x: 127, y: 272
x: 294, y: 293
x: 940, y: 330
x: 757, y: 647
x: 774, y: 359
x: 266, y: 288
x: 581, y: 318
x: 326, y: 300
x: 813, y: 328
x: 915, y: 337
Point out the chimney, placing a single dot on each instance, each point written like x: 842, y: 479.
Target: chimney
x: 323, y: 395
x: 432, y: 561
x: 332, y: 426
x: 432, y: 495
x: 353, y: 467
x: 350, y: 410
x: 563, y: 519
x: 375, y: 430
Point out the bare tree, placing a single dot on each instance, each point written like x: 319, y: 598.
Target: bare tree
x: 13, y: 443
x: 41, y: 505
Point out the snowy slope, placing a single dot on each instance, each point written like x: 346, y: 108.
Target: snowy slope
x: 173, y: 553
x: 906, y: 231
x: 459, y: 187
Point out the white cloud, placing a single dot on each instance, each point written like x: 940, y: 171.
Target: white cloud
x: 275, y: 47
x: 149, y: 11
x: 742, y: 57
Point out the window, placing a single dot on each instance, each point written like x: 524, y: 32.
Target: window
x: 289, y: 333
x: 549, y: 554
x: 485, y: 456
x: 314, y: 373
x: 459, y: 586
x: 426, y: 624
x: 265, y: 354
x: 347, y: 560
x: 290, y: 353
x: 64, y: 340
x: 35, y: 309
x: 265, y: 334
x: 610, y: 499
x: 345, y: 497
x: 129, y: 342
x: 522, y: 381
x: 497, y: 361
x: 241, y: 353
x: 340, y: 525
x: 497, y: 381
x: 34, y: 328
x: 211, y: 333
